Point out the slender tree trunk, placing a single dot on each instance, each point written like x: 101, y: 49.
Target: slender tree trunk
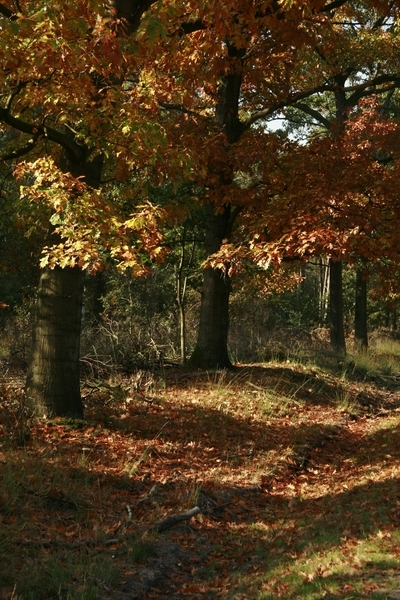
x: 182, y: 332
x: 393, y: 312
x: 360, y: 314
x: 181, y: 280
x: 336, y: 267
x: 98, y: 289
x: 336, y: 307
x: 323, y: 290
x: 180, y: 285
x: 52, y: 386
x: 212, y: 342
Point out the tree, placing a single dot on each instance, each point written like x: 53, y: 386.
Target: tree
x: 63, y: 71
x: 223, y: 58
x: 336, y: 307
x: 129, y: 91
x: 360, y: 310
x: 358, y: 58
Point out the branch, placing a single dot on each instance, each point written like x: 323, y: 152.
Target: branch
x: 289, y: 101
x: 175, y: 519
x: 363, y: 91
x: 13, y: 154
x: 383, y: 18
x: 181, y: 108
x: 127, y: 14
x: 74, y: 150
x: 191, y: 27
x: 333, y: 5
x: 359, y: 90
x: 378, y: 80
x: 313, y: 113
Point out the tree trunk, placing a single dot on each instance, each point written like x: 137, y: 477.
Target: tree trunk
x: 212, y: 342
x: 323, y: 290
x: 360, y: 313
x: 52, y: 386
x: 181, y: 280
x: 97, y: 288
x: 336, y: 307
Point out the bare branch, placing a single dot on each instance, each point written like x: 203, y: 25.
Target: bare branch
x: 379, y: 80
x: 313, y: 113
x: 290, y: 100
x: 175, y: 519
x: 362, y: 91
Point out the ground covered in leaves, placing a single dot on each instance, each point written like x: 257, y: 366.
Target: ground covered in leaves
x: 295, y: 472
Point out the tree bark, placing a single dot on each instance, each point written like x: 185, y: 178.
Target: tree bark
x: 211, y: 349
x: 212, y: 342
x: 336, y: 307
x: 52, y: 386
x: 360, y: 313
x: 323, y: 291
x: 181, y: 280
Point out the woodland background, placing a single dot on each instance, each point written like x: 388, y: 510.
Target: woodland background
x: 199, y: 282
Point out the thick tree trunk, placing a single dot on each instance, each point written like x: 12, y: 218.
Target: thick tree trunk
x: 360, y: 313
x: 336, y: 307
x: 52, y: 386
x: 212, y: 342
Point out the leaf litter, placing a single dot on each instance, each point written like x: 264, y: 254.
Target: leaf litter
x: 298, y: 493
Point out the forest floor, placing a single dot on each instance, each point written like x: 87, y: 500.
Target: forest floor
x: 295, y: 470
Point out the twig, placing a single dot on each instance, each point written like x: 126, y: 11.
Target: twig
x: 143, y: 397
x: 159, y: 433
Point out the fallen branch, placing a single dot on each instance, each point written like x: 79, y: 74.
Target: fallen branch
x: 141, y: 396
x: 174, y: 520
x: 158, y: 528
x: 149, y: 495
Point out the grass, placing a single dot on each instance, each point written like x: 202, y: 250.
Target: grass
x: 296, y: 471
x: 382, y: 359
x: 140, y: 549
